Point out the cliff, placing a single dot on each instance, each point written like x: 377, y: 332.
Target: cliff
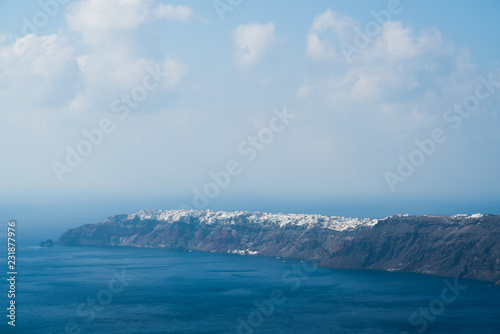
x: 457, y: 246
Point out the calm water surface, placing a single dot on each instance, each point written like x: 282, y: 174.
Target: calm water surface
x: 126, y: 290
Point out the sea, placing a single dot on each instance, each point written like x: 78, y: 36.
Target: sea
x: 137, y: 290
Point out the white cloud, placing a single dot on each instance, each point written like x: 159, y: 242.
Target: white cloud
x: 116, y: 57
x: 94, y: 19
x: 331, y: 35
x: 253, y: 41
x: 416, y: 73
x: 108, y: 76
x: 394, y: 91
x: 320, y: 48
x: 174, y: 13
x: 98, y: 20
x: 86, y: 73
x: 40, y: 71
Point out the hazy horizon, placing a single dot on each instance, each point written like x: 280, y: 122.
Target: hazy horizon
x: 366, y: 110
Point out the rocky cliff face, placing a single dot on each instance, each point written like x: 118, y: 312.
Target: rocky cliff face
x: 457, y: 246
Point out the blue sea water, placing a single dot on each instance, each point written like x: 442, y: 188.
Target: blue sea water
x: 128, y: 290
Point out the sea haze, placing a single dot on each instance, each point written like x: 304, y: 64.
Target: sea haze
x: 128, y: 290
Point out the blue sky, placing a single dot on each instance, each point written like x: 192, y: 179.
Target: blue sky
x: 217, y: 80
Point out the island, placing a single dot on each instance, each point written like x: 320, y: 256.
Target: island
x: 464, y: 246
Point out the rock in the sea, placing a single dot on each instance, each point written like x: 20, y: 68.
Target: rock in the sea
x: 48, y: 243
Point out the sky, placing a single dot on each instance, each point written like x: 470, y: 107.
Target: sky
x: 360, y: 108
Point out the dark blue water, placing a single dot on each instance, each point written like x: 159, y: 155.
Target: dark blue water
x: 124, y: 290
